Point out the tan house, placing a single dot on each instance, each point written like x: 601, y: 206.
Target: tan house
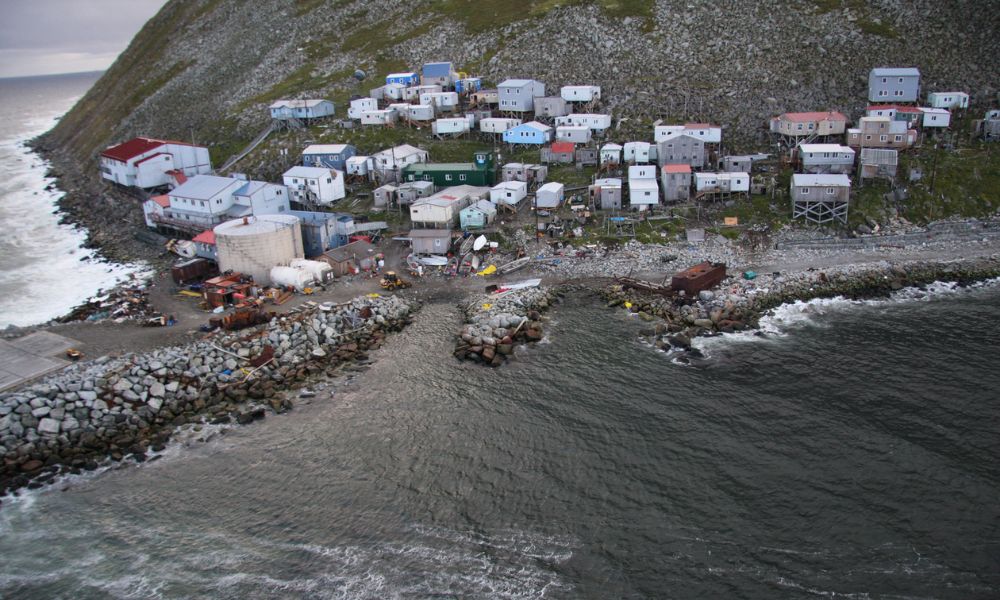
x: 801, y: 124
x: 881, y: 132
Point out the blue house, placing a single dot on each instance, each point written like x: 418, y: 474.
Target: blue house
x: 439, y: 73
x: 283, y: 110
x: 328, y: 156
x: 531, y: 132
x: 322, y: 231
x: 406, y: 79
x: 468, y: 85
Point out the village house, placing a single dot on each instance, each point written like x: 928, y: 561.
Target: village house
x: 518, y: 95
x: 379, y: 117
x: 430, y: 241
x: 882, y: 110
x: 638, y: 153
x: 558, y: 153
x: 361, y: 167
x: 606, y: 193
x: 681, y: 150
x: 643, y: 191
x: 879, y: 163
x: 597, y: 123
x: 478, y: 215
x: 820, y: 198
x: 441, y: 101
x: 384, y: 195
x: 314, y: 185
x: 808, y: 124
x: 989, y: 127
x: 881, y: 132
x: 204, y: 245
x: 468, y: 85
x: 322, y: 230
x: 611, y: 154
x: 573, y: 133
x: 438, y: 73
x: 526, y: 172
x: 826, y: 158
x: 935, y: 118
x: 497, y: 125
x: 737, y: 163
x: 409, y: 192
x: 301, y: 110
x: 150, y: 163
x: 509, y: 193
x: 580, y: 93
x: 949, y: 100
x: 204, y: 201
x: 394, y: 160
x: 721, y: 184
x: 586, y: 157
x: 707, y: 133
x: 676, y: 182
x: 550, y: 195
x: 479, y: 172
x: 331, y: 156
x: 485, y: 97
x: 532, y: 132
x: 360, y: 106
x: 393, y: 91
x: 550, y: 107
x: 350, y: 258
x: 441, y: 210
x: 402, y: 79
x: 453, y: 126
x: 886, y: 84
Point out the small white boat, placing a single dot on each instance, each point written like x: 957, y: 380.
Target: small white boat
x: 466, y: 245
x: 432, y: 260
x: 520, y: 285
x: 479, y: 244
x: 513, y: 265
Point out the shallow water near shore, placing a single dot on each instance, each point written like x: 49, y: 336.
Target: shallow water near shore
x: 855, y: 456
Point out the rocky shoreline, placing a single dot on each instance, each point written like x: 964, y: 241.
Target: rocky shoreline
x: 113, y: 408
x: 739, y: 304
x: 495, y: 323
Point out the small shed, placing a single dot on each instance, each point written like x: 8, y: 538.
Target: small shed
x: 497, y: 125
x: 529, y: 173
x: 384, y: 195
x: 550, y: 195
x: 550, y: 107
x: 378, y: 117
x: 580, y: 93
x: 558, y: 153
x: 349, y: 258
x: 359, y: 165
x: 938, y: 118
x: 607, y: 193
x: 879, y: 163
x: 430, y: 241
x: 510, y: 193
x: 477, y: 216
x: 411, y: 191
x: 636, y: 152
x: 737, y: 164
x: 611, y: 154
x: 949, y: 100
x: 573, y: 133
x: 586, y: 157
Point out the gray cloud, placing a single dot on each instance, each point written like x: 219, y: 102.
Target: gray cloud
x: 40, y: 37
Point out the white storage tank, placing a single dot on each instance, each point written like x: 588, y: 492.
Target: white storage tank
x: 291, y: 277
x: 321, y: 272
x: 252, y: 245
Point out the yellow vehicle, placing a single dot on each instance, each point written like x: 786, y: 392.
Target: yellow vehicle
x: 391, y: 281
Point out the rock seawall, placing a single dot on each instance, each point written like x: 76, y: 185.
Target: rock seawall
x: 126, y: 406
x: 495, y: 323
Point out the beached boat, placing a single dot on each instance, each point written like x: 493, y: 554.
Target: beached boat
x: 513, y: 265
x: 469, y: 264
x: 466, y: 245
x: 430, y: 260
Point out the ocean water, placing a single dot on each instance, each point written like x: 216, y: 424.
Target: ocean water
x: 44, y: 271
x: 852, y: 452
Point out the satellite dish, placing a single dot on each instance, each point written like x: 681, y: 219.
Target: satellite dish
x: 360, y: 75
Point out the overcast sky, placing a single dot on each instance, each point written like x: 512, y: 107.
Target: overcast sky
x: 42, y: 37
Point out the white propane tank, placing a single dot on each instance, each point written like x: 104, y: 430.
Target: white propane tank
x: 319, y: 270
x: 290, y: 277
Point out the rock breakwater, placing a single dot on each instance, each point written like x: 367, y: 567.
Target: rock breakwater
x: 495, y: 323
x: 129, y: 405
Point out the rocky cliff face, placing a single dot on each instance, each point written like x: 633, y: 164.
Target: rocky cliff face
x: 207, y: 69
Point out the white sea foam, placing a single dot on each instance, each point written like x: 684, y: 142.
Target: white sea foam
x: 44, y: 269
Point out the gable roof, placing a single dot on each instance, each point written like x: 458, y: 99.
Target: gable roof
x: 676, y: 168
x: 134, y: 147
x: 516, y: 83
x: 326, y: 148
x: 810, y: 180
x: 205, y: 237
x: 563, y: 147
x: 163, y: 200
x: 300, y: 171
x: 204, y: 187
x: 895, y: 72
x: 297, y: 103
x: 437, y: 69
x: 802, y: 117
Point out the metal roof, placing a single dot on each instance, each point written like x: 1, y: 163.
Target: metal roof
x: 326, y: 148
x: 205, y: 187
x: 255, y: 225
x: 811, y: 180
x: 895, y: 72
x: 205, y: 237
x: 825, y: 148
x: 297, y: 103
x: 136, y: 146
x: 437, y: 69
x: 804, y: 117
x: 517, y: 83
x: 563, y: 147
x: 301, y: 171
x: 676, y: 168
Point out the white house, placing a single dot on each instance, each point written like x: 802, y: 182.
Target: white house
x: 826, y: 158
x: 361, y: 106
x: 948, y: 100
x: 314, y: 185
x: 580, y: 93
x: 148, y: 163
x: 359, y: 165
x: 398, y: 157
x: 207, y: 200
x: 643, y: 191
x: 441, y: 210
x: 283, y: 110
x: 710, y: 134
x: 636, y: 152
x: 477, y: 215
x: 711, y: 183
x: 455, y: 126
x: 935, y: 117
x: 497, y: 125
x: 440, y: 100
x: 598, y: 123
x: 509, y: 192
x: 550, y: 195
x: 572, y: 133
x: 393, y: 91
x: 419, y: 112
x: 379, y: 117
x: 611, y: 154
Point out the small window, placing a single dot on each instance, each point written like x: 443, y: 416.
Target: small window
x: 883, y: 138
x: 461, y: 177
x: 830, y: 191
x: 804, y: 190
x: 899, y: 138
x: 447, y: 177
x: 868, y: 138
x: 900, y: 80
x: 885, y: 80
x: 328, y: 180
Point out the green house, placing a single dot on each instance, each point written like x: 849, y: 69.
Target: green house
x: 478, y: 173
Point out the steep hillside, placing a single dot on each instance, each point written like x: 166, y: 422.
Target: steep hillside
x: 206, y: 69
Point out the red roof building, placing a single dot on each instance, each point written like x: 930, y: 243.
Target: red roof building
x: 563, y: 147
x: 676, y: 168
x: 205, y: 237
